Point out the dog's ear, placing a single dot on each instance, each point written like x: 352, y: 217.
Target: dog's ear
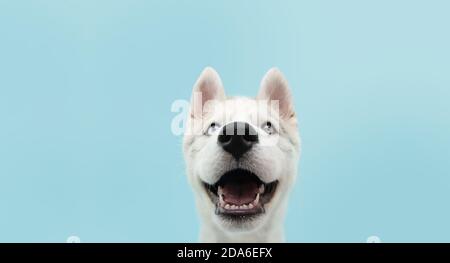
x: 207, y: 88
x: 275, y: 88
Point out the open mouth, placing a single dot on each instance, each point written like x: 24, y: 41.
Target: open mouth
x: 240, y: 193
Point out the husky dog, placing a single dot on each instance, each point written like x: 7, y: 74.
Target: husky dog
x: 241, y: 156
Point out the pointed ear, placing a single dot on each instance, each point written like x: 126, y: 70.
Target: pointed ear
x: 274, y: 87
x: 207, y: 88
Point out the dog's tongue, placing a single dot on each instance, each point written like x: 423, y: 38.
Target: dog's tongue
x: 239, y: 193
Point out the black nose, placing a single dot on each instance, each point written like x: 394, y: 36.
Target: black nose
x: 237, y: 138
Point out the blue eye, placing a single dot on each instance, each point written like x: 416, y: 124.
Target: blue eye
x: 213, y: 127
x: 268, y: 127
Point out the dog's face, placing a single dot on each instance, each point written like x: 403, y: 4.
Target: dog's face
x: 241, y: 153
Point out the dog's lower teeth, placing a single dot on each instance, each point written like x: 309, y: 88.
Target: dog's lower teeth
x: 255, y: 202
x: 251, y: 205
x: 222, y: 203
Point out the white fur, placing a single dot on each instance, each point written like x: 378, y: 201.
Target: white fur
x: 274, y: 158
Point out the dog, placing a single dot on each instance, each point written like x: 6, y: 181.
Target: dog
x: 241, y: 158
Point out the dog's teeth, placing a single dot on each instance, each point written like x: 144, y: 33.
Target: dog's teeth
x: 221, y: 200
x: 255, y: 202
x: 244, y: 207
x: 250, y: 206
x: 233, y: 207
x: 227, y: 206
x: 261, y: 189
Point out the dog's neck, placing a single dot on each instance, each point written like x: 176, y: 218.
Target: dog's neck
x: 212, y: 234
x: 271, y: 232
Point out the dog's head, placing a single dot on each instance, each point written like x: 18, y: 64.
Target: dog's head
x: 241, y: 153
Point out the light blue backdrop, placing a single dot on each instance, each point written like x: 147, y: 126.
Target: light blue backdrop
x: 86, y: 89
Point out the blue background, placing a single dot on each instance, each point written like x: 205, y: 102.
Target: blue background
x: 86, y: 89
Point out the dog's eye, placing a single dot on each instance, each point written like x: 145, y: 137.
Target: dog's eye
x: 268, y: 127
x: 213, y: 127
